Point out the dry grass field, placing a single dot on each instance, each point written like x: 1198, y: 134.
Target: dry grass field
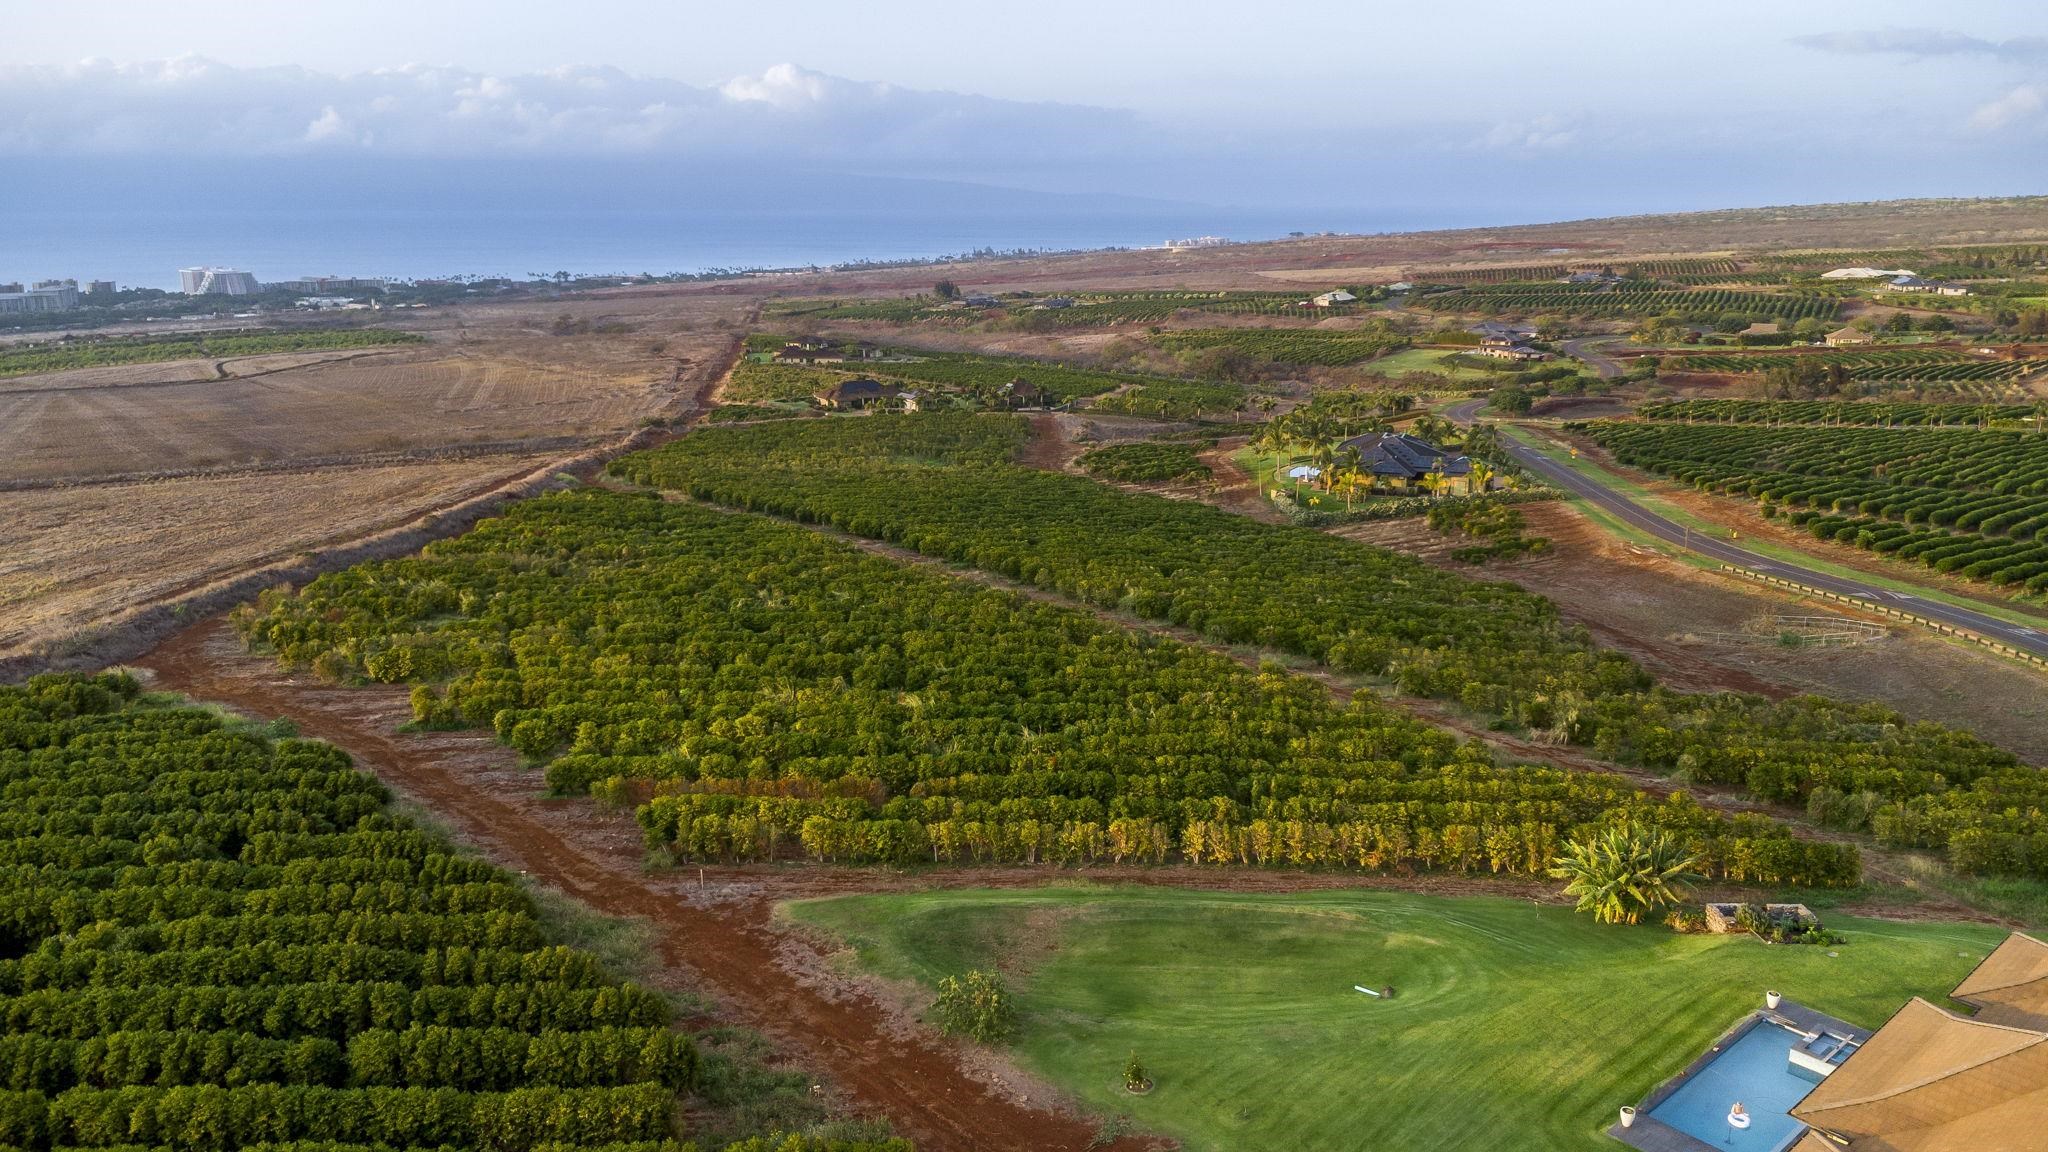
x: 127, y: 488
x: 78, y: 558
x: 517, y: 377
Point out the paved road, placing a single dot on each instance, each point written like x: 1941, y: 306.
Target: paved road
x: 2027, y: 639
x: 1603, y: 365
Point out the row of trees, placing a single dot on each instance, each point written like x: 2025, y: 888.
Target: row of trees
x: 241, y: 946
x: 789, y: 693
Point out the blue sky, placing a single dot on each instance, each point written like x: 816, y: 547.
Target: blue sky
x: 1532, y: 110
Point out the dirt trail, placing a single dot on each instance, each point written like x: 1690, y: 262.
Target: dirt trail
x: 725, y: 939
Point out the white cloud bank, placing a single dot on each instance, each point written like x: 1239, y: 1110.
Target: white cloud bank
x: 195, y: 106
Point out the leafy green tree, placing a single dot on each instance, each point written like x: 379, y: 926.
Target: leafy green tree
x: 946, y: 290
x: 1626, y: 871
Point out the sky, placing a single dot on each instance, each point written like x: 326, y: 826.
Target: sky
x: 1513, y: 111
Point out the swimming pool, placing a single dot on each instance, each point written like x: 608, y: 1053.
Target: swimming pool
x: 1753, y: 1069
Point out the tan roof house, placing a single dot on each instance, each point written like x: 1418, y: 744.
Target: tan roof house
x: 1842, y: 336
x: 2011, y: 986
x: 1933, y: 1081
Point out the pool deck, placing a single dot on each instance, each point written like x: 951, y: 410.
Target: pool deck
x: 1652, y: 1135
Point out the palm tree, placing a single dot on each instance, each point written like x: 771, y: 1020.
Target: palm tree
x: 1625, y: 871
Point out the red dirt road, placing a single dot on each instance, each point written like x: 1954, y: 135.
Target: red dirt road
x: 721, y: 940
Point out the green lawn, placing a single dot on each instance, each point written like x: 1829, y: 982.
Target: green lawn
x: 1514, y: 1025
x: 1427, y: 360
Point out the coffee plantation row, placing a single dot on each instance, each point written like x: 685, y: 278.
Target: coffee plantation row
x: 790, y: 693
x: 34, y: 358
x: 1174, y: 400
x: 1307, y: 346
x: 211, y: 940
x: 1882, y: 413
x: 1149, y: 462
x: 1959, y: 500
x: 1625, y: 301
x: 939, y: 484
x: 1888, y: 366
x: 1491, y: 648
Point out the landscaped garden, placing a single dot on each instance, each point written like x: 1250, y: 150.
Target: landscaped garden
x: 1510, y: 1025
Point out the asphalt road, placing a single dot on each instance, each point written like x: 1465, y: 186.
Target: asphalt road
x: 2030, y: 640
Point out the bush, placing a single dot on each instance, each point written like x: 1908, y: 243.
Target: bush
x: 976, y: 1005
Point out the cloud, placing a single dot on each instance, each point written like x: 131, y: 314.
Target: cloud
x: 1540, y: 133
x: 2021, y: 105
x: 196, y: 106
x: 1924, y: 43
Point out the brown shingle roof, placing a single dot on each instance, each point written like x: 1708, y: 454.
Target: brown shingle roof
x: 2011, y: 986
x: 1932, y: 1081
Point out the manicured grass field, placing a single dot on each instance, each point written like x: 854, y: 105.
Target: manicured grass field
x: 1513, y: 1025
x: 1428, y: 360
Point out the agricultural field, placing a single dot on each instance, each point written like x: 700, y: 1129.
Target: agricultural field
x: 127, y: 485
x: 1494, y: 650
x: 1896, y: 365
x: 1624, y: 302
x: 1089, y: 310
x: 1174, y: 400
x: 37, y: 359
x: 1150, y: 462
x: 1882, y: 413
x: 1506, y: 1017
x: 1957, y: 500
x: 823, y: 702
x: 219, y: 939
x: 78, y: 559
x: 1306, y: 346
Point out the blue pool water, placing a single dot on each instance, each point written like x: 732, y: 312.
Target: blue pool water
x: 1754, y: 1070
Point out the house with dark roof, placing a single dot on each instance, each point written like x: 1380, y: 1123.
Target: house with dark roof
x: 1398, y: 460
x: 1922, y: 284
x: 852, y: 395
x: 1506, y: 333
x: 1021, y: 393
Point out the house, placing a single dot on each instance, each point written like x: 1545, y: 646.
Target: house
x: 1057, y: 302
x: 865, y: 350
x: 1511, y: 350
x: 1400, y: 286
x: 1844, y: 337
x: 1021, y: 393
x: 980, y: 300
x: 809, y: 350
x: 1930, y: 287
x: 853, y: 395
x: 1932, y: 1079
x: 913, y: 400
x: 1398, y: 460
x: 1860, y: 273
x: 1333, y: 298
x: 2011, y: 986
x: 1592, y: 278
x: 1505, y: 333
x: 1761, y: 328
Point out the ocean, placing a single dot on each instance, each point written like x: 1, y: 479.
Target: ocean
x: 100, y: 221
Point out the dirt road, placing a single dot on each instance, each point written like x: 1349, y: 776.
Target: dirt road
x: 720, y: 941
